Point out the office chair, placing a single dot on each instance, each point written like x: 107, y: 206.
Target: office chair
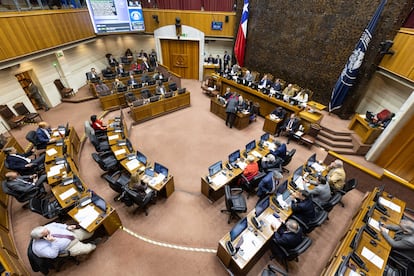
x: 287, y: 160
x: 272, y: 270
x: 12, y: 119
x: 43, y: 265
x: 99, y: 142
x: 250, y: 186
x: 117, y: 181
x: 19, y: 196
x: 21, y: 109
x: 106, y: 161
x: 235, y: 202
x: 399, y: 264
x: 130, y: 98
x: 289, y: 254
x: 335, y: 199
x: 45, y: 208
x: 142, y: 202
x: 64, y: 91
x: 349, y: 185
x: 145, y: 93
x: 31, y: 136
x: 320, y: 217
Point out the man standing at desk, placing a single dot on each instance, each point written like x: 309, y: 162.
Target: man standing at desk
x: 336, y: 174
x: 55, y: 238
x: 404, y: 236
x: 231, y: 109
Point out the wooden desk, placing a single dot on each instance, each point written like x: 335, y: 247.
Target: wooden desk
x: 270, y: 126
x: 68, y: 195
x: 242, y: 120
x: 133, y: 166
x: 110, y: 219
x: 120, y: 152
x: 163, y: 106
x: 164, y: 188
x: 361, y: 127
x: 242, y: 262
x: 209, y: 69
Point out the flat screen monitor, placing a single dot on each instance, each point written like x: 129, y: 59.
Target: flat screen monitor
x: 368, y: 214
x: 149, y: 172
x: 234, y: 156
x: 99, y: 202
x: 264, y: 137
x: 279, y: 95
x: 238, y: 229
x: 217, y: 25
x: 181, y: 90
x: 141, y: 158
x: 116, y: 16
x: 357, y: 237
x: 282, y: 188
x: 250, y: 146
x: 379, y: 193
x: 262, y: 205
x: 215, y: 168
x: 311, y: 160
x: 344, y: 265
x: 122, y: 89
x: 172, y: 86
x: 158, y: 168
x: 298, y: 173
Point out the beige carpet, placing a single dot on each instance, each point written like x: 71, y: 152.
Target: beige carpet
x: 187, y: 142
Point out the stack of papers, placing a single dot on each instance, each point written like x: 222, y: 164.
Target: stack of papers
x: 317, y: 167
x: 256, y: 154
x: 389, y: 204
x: 374, y: 223
x: 241, y: 165
x: 219, y: 179
x: 67, y: 194
x: 372, y: 257
x: 251, y: 244
x: 51, y: 152
x: 86, y: 216
x: 300, y: 183
x: 156, y: 180
x: 132, y: 165
x: 120, y: 151
x: 55, y: 170
x: 269, y: 145
x: 271, y: 220
x: 113, y: 137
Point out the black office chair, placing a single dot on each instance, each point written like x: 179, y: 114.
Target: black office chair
x: 289, y: 254
x: 145, y: 93
x: 30, y: 117
x: 106, y: 161
x: 287, y: 160
x: 43, y: 265
x: 142, y: 202
x: 320, y: 217
x: 235, y: 202
x: 272, y: 270
x: 335, y: 199
x: 31, y: 136
x: 250, y: 186
x: 349, y: 185
x: 117, y: 181
x: 45, y: 208
x: 399, y: 264
x: 130, y: 98
x: 100, y: 143
x: 22, y: 197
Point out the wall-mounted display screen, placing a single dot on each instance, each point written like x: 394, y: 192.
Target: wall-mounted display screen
x: 216, y: 25
x: 116, y: 16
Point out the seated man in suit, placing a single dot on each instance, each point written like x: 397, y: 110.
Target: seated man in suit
x: 290, y: 126
x: 120, y: 70
x: 279, y: 113
x: 277, y: 86
x: 21, y: 162
x: 108, y: 72
x: 92, y: 75
x: 280, y: 150
x: 145, y: 65
x: 117, y: 84
x: 43, y: 133
x: 336, y: 175
x: 264, y: 83
x: 289, y: 235
x: 160, y: 89
x: 112, y: 61
x: 248, y: 78
x: 132, y: 81
x: 302, y: 206
x: 25, y: 184
x: 403, y: 240
x: 288, y: 92
x: 321, y: 193
x: 270, y: 162
x: 54, y: 238
x: 102, y: 89
x: 269, y: 184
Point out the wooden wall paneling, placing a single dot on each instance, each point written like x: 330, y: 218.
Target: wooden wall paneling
x: 15, y: 40
x: 181, y: 57
x: 402, y: 61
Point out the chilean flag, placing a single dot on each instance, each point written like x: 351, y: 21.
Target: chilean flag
x: 240, y: 45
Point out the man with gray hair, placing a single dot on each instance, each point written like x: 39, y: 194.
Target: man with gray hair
x: 403, y: 240
x: 269, y: 184
x: 288, y: 235
x: 336, y: 174
x: 56, y: 238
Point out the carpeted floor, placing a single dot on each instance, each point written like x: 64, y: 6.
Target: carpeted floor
x: 187, y: 142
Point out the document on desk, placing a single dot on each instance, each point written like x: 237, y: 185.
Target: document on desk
x: 318, y: 167
x: 156, y: 180
x: 86, y: 216
x: 389, y: 204
x: 120, y: 151
x: 271, y: 220
x: 372, y: 257
x: 55, y: 170
x: 241, y: 165
x: 300, y: 183
x: 51, y: 152
x: 374, y: 223
x: 219, y: 179
x: 67, y: 194
x: 133, y: 164
x: 113, y: 137
x: 251, y: 244
x: 269, y: 145
x: 256, y: 154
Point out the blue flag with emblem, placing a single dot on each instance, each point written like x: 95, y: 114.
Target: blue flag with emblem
x: 348, y: 76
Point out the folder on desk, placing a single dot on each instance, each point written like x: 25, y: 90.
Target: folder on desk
x: 372, y: 257
x: 390, y: 204
x: 51, y: 152
x: 256, y: 154
x: 113, y: 137
x: 120, y: 151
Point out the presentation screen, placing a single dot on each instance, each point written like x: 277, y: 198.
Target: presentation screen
x: 116, y: 16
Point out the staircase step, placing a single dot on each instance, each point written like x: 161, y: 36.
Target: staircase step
x: 348, y: 151
x: 339, y: 138
x: 336, y: 133
x: 335, y: 143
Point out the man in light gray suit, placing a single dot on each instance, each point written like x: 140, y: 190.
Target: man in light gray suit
x: 231, y: 109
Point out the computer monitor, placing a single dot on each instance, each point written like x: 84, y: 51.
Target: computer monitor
x: 264, y: 137
x: 122, y: 89
x: 141, y: 158
x: 368, y: 214
x: 181, y: 90
x: 168, y: 94
x: 234, y: 156
x: 279, y: 95
x: 311, y: 160
x: 293, y: 101
x: 137, y: 85
x: 215, y: 168
x: 149, y: 172
x: 158, y: 168
x: 343, y: 266
x: 172, y: 86
x: 99, y: 202
x: 262, y: 205
x: 238, y: 229
x: 357, y: 237
x: 298, y: 173
x: 154, y: 98
x: 250, y: 146
x: 282, y: 187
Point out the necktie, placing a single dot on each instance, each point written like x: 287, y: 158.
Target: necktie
x: 62, y: 236
x: 290, y: 123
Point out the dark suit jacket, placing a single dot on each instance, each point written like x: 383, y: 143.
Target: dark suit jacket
x: 231, y: 106
x: 280, y: 151
x: 280, y: 114
x: 42, y: 137
x: 16, y: 163
x: 277, y: 86
x: 288, y: 239
x: 131, y: 82
x: 89, y: 76
x: 295, y: 125
x: 20, y: 187
x: 304, y: 210
x: 265, y: 185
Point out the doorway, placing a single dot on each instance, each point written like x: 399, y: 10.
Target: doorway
x: 181, y: 56
x: 25, y: 78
